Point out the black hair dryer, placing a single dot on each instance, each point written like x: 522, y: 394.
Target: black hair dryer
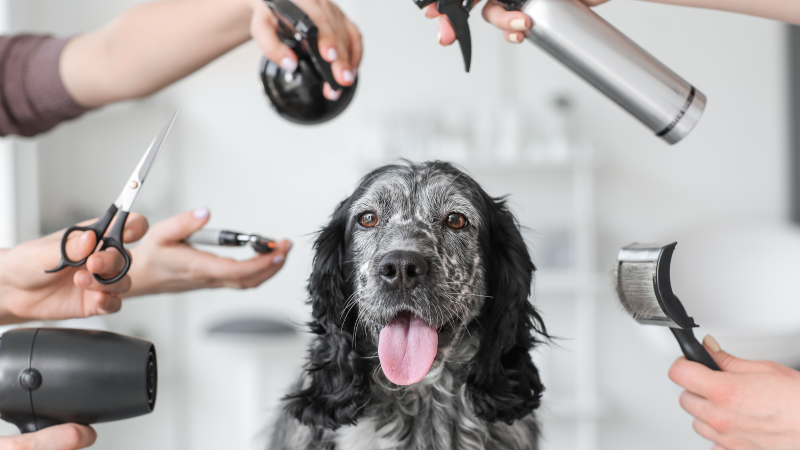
x: 50, y: 376
x: 297, y: 96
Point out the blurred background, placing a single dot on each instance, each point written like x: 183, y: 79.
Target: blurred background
x: 584, y: 177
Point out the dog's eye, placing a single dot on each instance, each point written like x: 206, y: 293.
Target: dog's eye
x: 456, y: 221
x: 368, y: 219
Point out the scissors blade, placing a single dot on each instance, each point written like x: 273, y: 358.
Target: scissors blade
x: 131, y: 189
x: 150, y: 156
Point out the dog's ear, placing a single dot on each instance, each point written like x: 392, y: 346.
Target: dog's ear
x: 336, y: 386
x: 503, y: 382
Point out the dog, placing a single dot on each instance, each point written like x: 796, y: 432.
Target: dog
x: 422, y: 321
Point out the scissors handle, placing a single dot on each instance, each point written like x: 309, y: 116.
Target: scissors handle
x: 99, y: 228
x: 114, y: 240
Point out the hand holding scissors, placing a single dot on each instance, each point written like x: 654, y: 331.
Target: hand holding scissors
x: 123, y: 206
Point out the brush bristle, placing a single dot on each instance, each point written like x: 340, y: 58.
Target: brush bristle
x: 636, y: 290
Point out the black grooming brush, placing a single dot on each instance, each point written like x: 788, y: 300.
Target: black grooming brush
x: 644, y: 289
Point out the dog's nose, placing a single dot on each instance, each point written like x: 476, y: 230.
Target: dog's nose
x: 402, y: 269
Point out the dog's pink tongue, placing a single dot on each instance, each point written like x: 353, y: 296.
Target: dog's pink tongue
x: 406, y: 348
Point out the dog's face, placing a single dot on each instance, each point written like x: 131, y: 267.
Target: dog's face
x: 415, y: 258
x: 417, y: 267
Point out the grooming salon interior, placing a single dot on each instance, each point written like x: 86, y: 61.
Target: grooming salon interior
x: 584, y: 179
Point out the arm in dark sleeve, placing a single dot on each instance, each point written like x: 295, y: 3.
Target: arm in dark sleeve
x: 32, y: 97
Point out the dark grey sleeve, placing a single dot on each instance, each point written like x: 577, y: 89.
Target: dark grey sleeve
x: 32, y: 97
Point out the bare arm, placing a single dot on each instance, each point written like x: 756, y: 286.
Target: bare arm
x: 150, y: 46
x: 155, y: 44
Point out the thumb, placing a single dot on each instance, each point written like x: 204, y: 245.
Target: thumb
x: 68, y: 436
x: 726, y: 361
x: 181, y: 226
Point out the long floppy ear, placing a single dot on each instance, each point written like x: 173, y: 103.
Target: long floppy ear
x: 336, y: 386
x: 502, y: 382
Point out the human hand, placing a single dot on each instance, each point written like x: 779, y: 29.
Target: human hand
x: 513, y: 23
x: 68, y: 436
x: 750, y: 405
x: 28, y: 293
x: 339, y: 40
x: 164, y: 263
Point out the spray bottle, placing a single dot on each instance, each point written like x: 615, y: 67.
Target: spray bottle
x: 599, y: 53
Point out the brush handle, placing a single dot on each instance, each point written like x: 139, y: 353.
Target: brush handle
x: 693, y: 350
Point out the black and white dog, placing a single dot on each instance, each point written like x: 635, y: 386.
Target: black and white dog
x: 420, y: 294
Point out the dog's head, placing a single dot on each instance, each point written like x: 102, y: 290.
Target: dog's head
x: 418, y: 256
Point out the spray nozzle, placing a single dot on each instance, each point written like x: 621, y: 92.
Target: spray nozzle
x: 457, y: 12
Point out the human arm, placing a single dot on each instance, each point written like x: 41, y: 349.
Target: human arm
x: 514, y: 23
x: 155, y: 44
x: 749, y: 405
x: 28, y: 293
x: 164, y: 263
x: 68, y: 436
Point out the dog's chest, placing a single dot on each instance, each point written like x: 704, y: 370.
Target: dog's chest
x: 433, y: 417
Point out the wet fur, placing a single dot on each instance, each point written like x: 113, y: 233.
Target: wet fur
x: 483, y: 387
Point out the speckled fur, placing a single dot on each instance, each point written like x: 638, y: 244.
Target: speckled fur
x: 483, y: 387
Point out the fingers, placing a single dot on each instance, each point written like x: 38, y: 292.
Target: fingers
x: 263, y: 28
x: 334, y: 43
x: 68, y: 436
x: 85, y: 280
x: 135, y: 228
x: 730, y: 363
x: 697, y: 378
x: 79, y: 245
x: 106, y: 263
x: 705, y: 430
x: 179, y: 227
x: 356, y: 45
x: 446, y: 33
x: 495, y: 14
x: 243, y: 274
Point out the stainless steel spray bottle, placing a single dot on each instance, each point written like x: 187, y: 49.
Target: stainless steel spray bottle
x: 575, y: 35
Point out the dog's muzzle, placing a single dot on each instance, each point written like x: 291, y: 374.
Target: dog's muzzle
x: 402, y: 269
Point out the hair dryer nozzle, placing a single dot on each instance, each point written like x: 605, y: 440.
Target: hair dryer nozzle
x: 50, y: 376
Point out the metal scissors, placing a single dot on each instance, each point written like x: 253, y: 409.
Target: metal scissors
x: 123, y: 206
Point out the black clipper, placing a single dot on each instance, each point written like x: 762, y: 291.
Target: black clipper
x: 457, y: 11
x: 298, y: 96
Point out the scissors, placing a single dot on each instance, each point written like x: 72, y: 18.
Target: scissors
x: 123, y: 206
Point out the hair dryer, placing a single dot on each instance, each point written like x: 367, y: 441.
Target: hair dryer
x: 50, y: 376
x: 589, y: 46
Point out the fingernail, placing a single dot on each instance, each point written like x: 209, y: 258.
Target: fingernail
x: 355, y: 71
x: 518, y: 24
x: 278, y: 259
x: 334, y: 95
x: 85, y: 237
x: 288, y: 246
x: 347, y: 76
x: 288, y: 64
x: 439, y: 38
x: 513, y: 38
x: 200, y: 213
x: 332, y: 55
x: 711, y: 343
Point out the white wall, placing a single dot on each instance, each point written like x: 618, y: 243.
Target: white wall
x: 230, y: 152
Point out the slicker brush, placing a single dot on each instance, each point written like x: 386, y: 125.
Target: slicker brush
x: 644, y: 289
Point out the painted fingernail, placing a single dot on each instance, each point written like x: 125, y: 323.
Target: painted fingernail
x: 513, y: 38
x: 288, y: 246
x: 332, y: 54
x: 278, y: 259
x: 334, y: 95
x: 347, y: 76
x: 288, y: 64
x: 439, y: 38
x: 200, y: 213
x: 355, y: 71
x: 711, y: 343
x: 518, y: 24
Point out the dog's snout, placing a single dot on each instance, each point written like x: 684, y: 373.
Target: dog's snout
x: 402, y: 269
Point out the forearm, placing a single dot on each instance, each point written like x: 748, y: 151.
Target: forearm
x: 151, y: 46
x: 782, y: 10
